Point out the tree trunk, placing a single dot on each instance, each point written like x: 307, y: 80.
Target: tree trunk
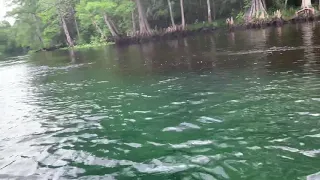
x: 134, y: 27
x: 285, y: 4
x: 264, y: 3
x: 64, y: 24
x: 143, y: 22
x: 75, y: 22
x: 306, y: 4
x: 257, y: 10
x: 209, y: 12
x: 77, y: 27
x: 38, y: 31
x: 98, y: 29
x: 114, y: 27
x: 171, y: 14
x: 183, y: 22
x: 111, y: 26
x: 214, y: 10
x: 66, y: 32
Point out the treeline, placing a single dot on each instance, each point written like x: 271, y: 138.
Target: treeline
x: 47, y: 23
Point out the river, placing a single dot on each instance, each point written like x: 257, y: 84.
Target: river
x: 240, y: 106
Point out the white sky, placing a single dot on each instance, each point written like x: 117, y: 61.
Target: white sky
x: 3, y: 10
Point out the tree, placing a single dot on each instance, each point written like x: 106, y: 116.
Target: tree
x: 183, y: 22
x: 257, y: 10
x: 306, y: 4
x: 171, y: 14
x: 134, y: 28
x: 76, y: 22
x: 143, y: 22
x: 58, y: 19
x: 214, y: 9
x: 209, y: 12
x: 65, y: 29
x: 103, y: 9
x: 285, y: 4
x: 27, y: 15
x: 114, y: 31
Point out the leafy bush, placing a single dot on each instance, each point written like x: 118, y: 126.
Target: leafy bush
x: 288, y: 13
x: 240, y: 17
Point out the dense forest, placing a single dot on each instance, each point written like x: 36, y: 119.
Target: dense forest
x: 46, y: 23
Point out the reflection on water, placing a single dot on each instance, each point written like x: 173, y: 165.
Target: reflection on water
x: 242, y: 105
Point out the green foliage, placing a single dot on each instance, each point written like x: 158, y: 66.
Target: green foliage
x: 288, y: 13
x: 8, y: 44
x: 240, y: 17
x: 214, y: 24
x: 196, y: 26
x: 91, y: 45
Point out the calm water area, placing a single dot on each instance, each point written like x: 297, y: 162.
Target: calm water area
x: 239, y: 106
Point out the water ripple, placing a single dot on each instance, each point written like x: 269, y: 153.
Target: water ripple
x: 183, y: 126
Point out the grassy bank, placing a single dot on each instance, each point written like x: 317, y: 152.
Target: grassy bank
x: 91, y: 45
x: 219, y: 23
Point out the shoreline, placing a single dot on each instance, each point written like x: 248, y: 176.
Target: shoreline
x: 205, y: 29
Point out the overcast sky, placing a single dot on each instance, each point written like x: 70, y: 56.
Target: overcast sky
x: 3, y: 10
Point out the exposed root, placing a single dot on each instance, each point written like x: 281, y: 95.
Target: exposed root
x: 305, y: 12
x: 277, y: 14
x: 230, y: 23
x: 257, y: 12
x: 277, y: 18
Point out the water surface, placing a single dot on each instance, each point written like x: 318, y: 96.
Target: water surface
x: 243, y: 105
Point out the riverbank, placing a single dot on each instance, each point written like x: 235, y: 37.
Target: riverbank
x: 209, y: 28
x: 193, y: 29
x: 79, y: 46
x: 91, y: 45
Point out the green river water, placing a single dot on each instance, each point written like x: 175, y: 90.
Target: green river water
x: 239, y: 106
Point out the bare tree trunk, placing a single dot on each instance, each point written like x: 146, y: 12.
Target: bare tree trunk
x: 75, y: 22
x: 285, y: 4
x: 209, y: 12
x: 306, y: 3
x: 134, y: 27
x: 98, y: 29
x: 214, y: 10
x: 66, y: 32
x: 183, y: 21
x: 111, y: 26
x: 143, y: 22
x: 257, y: 10
x: 264, y: 3
x: 114, y: 27
x: 64, y: 24
x: 171, y: 14
x: 77, y: 27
